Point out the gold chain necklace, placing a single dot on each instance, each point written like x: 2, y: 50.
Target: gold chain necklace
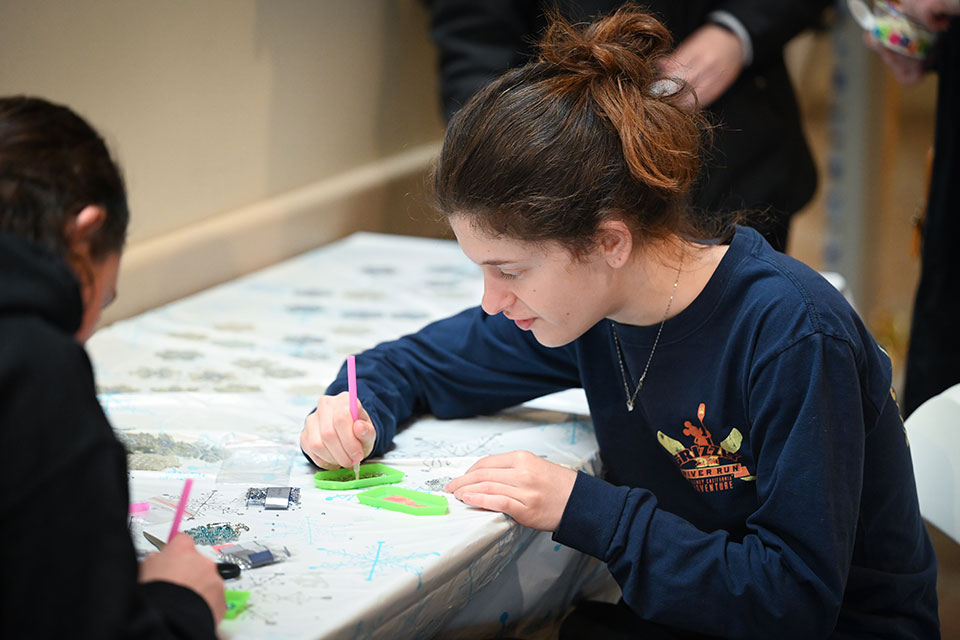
x: 631, y: 397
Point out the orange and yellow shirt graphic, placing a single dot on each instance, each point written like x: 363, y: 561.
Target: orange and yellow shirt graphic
x: 709, y: 467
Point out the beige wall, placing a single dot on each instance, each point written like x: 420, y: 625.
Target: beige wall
x: 249, y: 130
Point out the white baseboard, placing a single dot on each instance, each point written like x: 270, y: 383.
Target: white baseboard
x: 171, y: 266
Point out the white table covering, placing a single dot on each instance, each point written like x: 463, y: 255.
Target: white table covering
x: 216, y: 386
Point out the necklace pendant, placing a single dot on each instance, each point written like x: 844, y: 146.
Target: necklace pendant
x: 629, y: 406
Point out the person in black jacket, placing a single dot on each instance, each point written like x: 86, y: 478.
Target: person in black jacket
x: 69, y: 569
x: 933, y: 358
x: 730, y: 51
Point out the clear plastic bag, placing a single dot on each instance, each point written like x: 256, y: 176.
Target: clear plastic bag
x: 251, y: 555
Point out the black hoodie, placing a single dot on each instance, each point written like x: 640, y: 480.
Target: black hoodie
x: 67, y: 564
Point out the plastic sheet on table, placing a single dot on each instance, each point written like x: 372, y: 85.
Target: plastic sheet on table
x: 258, y: 463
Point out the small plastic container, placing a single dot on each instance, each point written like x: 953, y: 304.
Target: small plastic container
x: 371, y: 475
x: 416, y: 503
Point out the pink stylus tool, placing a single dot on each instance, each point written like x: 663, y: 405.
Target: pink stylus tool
x: 352, y: 389
x: 352, y: 385
x: 184, y: 496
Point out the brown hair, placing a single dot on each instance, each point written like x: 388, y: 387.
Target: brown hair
x: 590, y: 130
x: 52, y: 165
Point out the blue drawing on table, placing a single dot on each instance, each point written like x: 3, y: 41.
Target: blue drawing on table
x: 340, y: 496
x: 379, y: 558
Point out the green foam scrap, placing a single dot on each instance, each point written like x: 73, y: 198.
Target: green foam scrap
x: 236, y: 602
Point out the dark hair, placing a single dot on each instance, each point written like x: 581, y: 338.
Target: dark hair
x: 590, y: 130
x: 52, y: 165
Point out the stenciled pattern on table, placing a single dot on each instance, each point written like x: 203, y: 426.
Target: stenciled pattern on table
x: 371, y: 558
x: 218, y: 363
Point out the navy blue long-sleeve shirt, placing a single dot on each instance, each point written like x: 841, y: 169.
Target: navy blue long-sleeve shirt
x: 761, y: 487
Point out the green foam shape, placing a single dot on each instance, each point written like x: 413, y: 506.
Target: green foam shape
x: 370, y: 475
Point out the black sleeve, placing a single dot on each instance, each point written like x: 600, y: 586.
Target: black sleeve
x: 477, y: 41
x: 772, y: 23
x: 69, y: 566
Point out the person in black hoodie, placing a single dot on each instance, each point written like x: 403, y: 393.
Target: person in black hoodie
x: 68, y: 566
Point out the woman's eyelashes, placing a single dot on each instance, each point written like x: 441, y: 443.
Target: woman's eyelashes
x: 507, y: 275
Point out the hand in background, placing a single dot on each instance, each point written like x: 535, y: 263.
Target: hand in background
x: 709, y: 60
x: 180, y: 563
x: 933, y: 14
x: 330, y: 436
x: 908, y: 71
x: 527, y: 488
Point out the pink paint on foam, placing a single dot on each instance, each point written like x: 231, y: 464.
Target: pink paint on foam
x: 403, y: 500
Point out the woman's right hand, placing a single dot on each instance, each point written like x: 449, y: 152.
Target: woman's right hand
x: 331, y: 437
x: 180, y: 563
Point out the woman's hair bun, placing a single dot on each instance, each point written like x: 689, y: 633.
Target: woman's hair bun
x: 627, y: 43
x: 594, y: 127
x: 615, y: 63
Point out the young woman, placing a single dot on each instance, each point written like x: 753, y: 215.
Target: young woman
x: 757, y: 481
x: 69, y: 567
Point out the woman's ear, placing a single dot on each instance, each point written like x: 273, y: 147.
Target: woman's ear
x: 615, y: 242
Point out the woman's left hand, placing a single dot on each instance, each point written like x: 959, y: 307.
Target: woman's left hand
x: 527, y: 488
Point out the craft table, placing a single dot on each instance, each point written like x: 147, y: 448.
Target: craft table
x: 216, y: 387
